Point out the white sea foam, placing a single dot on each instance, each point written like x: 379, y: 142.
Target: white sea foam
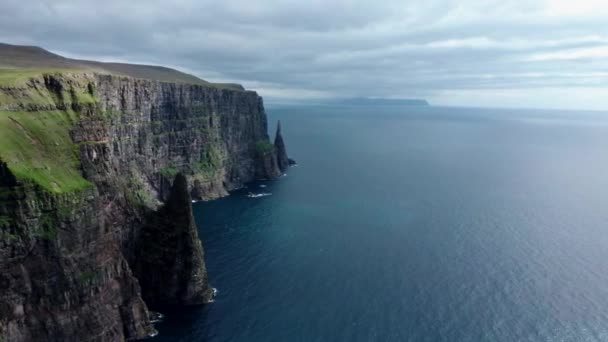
x: 214, y: 292
x: 262, y: 194
x: 156, y: 317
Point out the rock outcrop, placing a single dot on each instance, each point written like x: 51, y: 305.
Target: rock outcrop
x: 96, y: 178
x: 170, y: 255
x: 281, y: 151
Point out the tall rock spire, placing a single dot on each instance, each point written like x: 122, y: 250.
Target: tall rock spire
x: 171, y: 268
x: 279, y: 144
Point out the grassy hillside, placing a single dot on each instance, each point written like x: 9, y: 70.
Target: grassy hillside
x: 31, y: 57
x: 38, y: 147
x: 36, y: 144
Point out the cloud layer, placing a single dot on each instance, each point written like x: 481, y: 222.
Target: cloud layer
x: 550, y: 53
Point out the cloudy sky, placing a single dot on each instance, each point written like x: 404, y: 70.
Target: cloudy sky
x: 516, y: 53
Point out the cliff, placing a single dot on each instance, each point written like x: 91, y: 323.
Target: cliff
x: 96, y: 176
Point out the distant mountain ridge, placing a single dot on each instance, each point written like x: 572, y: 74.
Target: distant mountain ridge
x: 367, y: 101
x: 33, y: 57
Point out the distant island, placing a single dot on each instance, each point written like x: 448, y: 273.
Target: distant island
x: 368, y: 101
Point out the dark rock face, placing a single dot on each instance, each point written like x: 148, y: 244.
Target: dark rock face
x: 159, y: 129
x: 170, y: 255
x: 267, y: 166
x: 281, y: 151
x: 70, y: 262
x: 62, y: 274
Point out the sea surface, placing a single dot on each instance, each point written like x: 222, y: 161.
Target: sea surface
x: 414, y: 224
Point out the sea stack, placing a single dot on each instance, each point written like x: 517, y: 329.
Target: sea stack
x: 282, y: 159
x: 171, y: 268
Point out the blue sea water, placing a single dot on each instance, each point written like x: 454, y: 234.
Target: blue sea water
x: 414, y: 224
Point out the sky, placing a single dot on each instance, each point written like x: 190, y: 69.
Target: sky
x: 516, y: 53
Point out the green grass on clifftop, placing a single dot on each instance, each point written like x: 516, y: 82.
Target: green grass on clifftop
x: 16, y: 87
x: 35, y: 141
x: 12, y: 77
x: 37, y: 146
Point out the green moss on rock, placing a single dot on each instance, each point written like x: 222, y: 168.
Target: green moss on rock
x: 169, y: 171
x: 210, y: 162
x: 87, y: 277
x: 264, y: 147
x: 18, y: 77
x: 5, y: 221
x: 8, y: 237
x: 137, y: 194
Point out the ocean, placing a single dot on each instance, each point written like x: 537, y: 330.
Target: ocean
x: 414, y: 224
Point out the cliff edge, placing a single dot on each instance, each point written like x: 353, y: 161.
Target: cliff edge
x: 97, y: 173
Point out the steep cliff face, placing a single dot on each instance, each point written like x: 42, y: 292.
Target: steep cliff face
x: 91, y: 199
x: 158, y: 129
x: 62, y: 274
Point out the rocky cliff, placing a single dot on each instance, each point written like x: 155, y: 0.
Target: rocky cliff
x: 96, y: 176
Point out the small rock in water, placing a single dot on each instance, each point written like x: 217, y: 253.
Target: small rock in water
x: 213, y: 295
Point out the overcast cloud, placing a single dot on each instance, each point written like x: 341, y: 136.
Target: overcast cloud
x: 551, y: 53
